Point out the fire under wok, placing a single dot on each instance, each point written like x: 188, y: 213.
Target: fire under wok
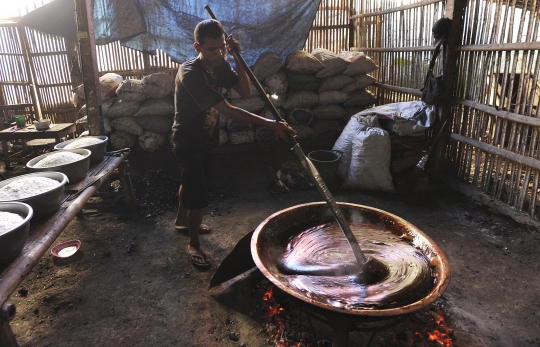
x: 304, y: 253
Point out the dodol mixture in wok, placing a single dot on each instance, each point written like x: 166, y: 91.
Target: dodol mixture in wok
x: 8, y: 221
x: 57, y: 159
x: 83, y: 142
x: 27, y: 187
x: 319, y: 264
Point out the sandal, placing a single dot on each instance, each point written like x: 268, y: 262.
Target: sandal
x: 198, y: 258
x: 204, y: 229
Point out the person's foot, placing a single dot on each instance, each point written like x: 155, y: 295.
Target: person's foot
x: 204, y: 229
x: 198, y: 258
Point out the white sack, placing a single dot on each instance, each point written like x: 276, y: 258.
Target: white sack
x: 156, y: 124
x: 158, y: 85
x: 131, y: 90
x: 326, y: 127
x: 127, y: 124
x: 120, y: 108
x: 266, y: 64
x: 276, y: 83
x: 332, y: 111
x: 408, y: 118
x: 361, y: 98
x: 120, y: 140
x: 303, y: 131
x: 360, y: 82
x: 333, y: 64
x: 336, y: 82
x: 151, y: 142
x: 332, y: 97
x: 345, y: 140
x: 370, y: 161
x: 156, y: 107
x: 302, y: 62
x: 300, y: 99
x: 360, y: 63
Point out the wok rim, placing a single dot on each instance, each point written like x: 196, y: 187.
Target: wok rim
x: 441, y: 273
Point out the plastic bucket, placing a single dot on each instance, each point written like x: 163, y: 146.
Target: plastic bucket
x: 326, y: 162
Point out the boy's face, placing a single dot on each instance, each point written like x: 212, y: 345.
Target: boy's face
x: 211, y: 52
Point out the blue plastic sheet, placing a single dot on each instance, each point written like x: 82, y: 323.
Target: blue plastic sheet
x: 279, y: 26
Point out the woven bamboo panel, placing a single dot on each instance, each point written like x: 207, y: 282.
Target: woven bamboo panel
x: 504, y: 163
x: 15, y: 86
x: 399, y: 40
x: 330, y: 28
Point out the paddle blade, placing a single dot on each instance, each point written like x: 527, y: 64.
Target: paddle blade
x: 236, y: 263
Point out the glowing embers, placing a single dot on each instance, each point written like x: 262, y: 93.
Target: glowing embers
x: 284, y: 324
x: 426, y: 328
x: 288, y: 324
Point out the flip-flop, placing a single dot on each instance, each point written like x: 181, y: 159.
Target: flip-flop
x: 199, y: 260
x: 204, y: 229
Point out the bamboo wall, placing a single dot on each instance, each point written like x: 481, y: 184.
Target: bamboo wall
x: 495, y: 143
x: 493, y: 149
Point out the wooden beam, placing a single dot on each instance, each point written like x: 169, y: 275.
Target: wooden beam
x: 87, y: 49
x: 397, y: 9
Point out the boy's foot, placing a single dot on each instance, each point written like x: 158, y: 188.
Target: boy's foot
x: 204, y: 229
x: 198, y: 258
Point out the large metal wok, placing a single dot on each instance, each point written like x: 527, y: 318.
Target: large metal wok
x: 269, y: 241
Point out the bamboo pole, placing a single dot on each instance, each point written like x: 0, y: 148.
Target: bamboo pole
x: 85, y: 36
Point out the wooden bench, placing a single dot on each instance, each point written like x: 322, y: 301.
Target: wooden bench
x: 45, y: 232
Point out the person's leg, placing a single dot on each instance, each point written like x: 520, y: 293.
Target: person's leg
x: 181, y: 222
x: 192, y: 200
x: 198, y: 257
x: 181, y: 219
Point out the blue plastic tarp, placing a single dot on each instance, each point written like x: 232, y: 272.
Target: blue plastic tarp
x: 279, y: 26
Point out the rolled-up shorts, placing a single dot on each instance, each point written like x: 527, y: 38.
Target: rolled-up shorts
x: 195, y: 170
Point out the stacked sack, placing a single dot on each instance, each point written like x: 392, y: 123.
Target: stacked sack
x: 139, y: 112
x: 315, y: 92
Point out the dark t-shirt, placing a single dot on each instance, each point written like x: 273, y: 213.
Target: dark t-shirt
x: 196, y: 92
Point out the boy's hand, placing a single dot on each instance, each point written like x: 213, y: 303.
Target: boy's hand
x: 232, y: 43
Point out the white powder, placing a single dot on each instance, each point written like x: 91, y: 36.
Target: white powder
x: 9, y: 221
x: 83, y: 142
x: 27, y: 187
x: 59, y: 158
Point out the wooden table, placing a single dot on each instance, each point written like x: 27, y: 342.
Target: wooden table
x: 45, y: 232
x: 56, y: 132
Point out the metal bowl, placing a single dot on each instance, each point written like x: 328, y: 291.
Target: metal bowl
x: 12, y: 241
x: 270, y: 239
x: 75, y: 171
x: 45, y: 203
x: 97, y: 149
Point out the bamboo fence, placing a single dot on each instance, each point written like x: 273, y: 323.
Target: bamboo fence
x: 493, y: 146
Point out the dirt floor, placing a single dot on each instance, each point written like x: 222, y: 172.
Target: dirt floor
x: 133, y: 284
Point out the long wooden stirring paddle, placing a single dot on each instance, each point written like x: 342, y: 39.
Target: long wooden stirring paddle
x: 368, y: 266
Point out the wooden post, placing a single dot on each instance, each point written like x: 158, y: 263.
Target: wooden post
x: 455, y: 10
x: 87, y: 49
